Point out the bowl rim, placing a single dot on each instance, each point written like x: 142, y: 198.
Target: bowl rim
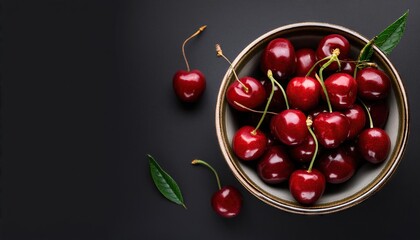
x: 371, y: 188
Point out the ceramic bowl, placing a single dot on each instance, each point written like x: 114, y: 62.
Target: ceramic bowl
x: 368, y: 179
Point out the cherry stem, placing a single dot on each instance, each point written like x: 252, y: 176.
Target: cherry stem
x: 186, y: 40
x: 273, y: 80
x: 316, y: 64
x: 252, y: 110
x: 220, y: 54
x: 198, y: 161
x: 367, y: 47
x: 368, y: 113
x: 266, y: 105
x: 309, y: 125
x: 332, y: 58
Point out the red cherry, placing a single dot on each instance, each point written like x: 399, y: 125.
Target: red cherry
x: 189, y: 85
x: 279, y: 57
x: 250, y: 96
x: 303, y: 152
x: 379, y: 111
x: 227, y: 202
x: 328, y: 44
x: 307, y: 187
x: 337, y: 166
x: 303, y: 93
x: 373, y: 84
x: 348, y: 66
x: 357, y: 118
x: 275, y: 166
x: 289, y: 126
x: 342, y: 90
x: 331, y: 129
x: 374, y: 145
x: 277, y: 103
x: 305, y: 60
x: 249, y: 144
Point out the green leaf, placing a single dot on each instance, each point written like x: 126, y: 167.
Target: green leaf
x: 387, y: 40
x: 165, y: 183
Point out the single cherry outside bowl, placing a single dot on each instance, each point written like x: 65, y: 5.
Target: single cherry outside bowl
x: 369, y: 178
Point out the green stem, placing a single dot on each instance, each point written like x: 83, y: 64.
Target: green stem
x: 270, y: 76
x: 316, y: 64
x: 332, y: 58
x: 368, y: 113
x: 367, y: 47
x: 197, y: 161
x: 220, y: 54
x: 309, y: 125
x: 266, y: 105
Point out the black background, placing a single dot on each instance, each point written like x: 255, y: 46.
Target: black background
x: 86, y: 93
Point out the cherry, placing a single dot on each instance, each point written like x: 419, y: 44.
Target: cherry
x: 357, y: 118
x: 279, y: 57
x: 227, y: 201
x: 189, y: 85
x: 275, y: 166
x: 249, y: 92
x: 245, y: 93
x: 373, y: 84
x: 305, y: 60
x: 289, y: 125
x: 331, y: 128
x: 350, y: 148
x: 303, y: 93
x: 348, y: 66
x: 303, y: 152
x: 307, y: 186
x: 249, y: 143
x: 277, y: 103
x: 342, y: 90
x: 379, y: 110
x: 337, y: 166
x: 373, y: 143
x: 330, y: 43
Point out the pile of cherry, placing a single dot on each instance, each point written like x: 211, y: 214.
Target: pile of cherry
x: 313, y: 119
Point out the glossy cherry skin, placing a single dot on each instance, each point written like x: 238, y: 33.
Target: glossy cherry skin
x: 305, y: 60
x: 275, y: 165
x: 342, y: 90
x: 247, y: 145
x: 328, y: 44
x: 189, y: 86
x: 350, y: 148
x: 374, y: 145
x: 289, y: 126
x: 357, y: 118
x: 336, y: 166
x: 307, y: 187
x: 252, y: 97
x: 348, y: 67
x: 331, y: 129
x: 303, y: 93
x: 227, y: 202
x: 379, y: 111
x: 303, y: 152
x: 373, y: 84
x: 279, y: 57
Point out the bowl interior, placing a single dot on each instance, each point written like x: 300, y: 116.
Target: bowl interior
x: 368, y: 179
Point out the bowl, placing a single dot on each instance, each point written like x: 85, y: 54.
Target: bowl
x: 368, y: 179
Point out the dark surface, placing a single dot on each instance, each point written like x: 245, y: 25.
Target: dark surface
x: 86, y: 93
